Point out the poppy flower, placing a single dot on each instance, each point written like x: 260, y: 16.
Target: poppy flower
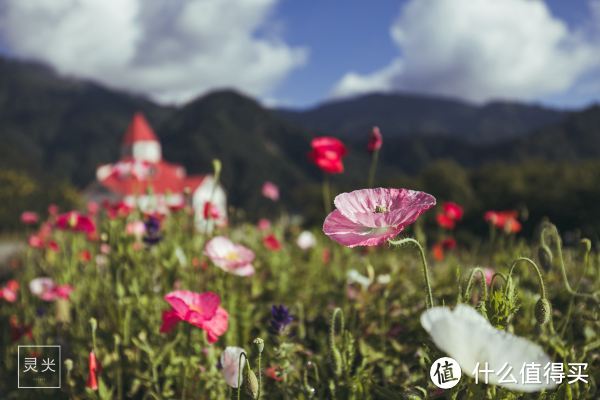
x: 135, y: 229
x: 230, y: 257
x: 18, y: 330
x: 440, y: 248
x: 76, y: 222
x: 202, y: 310
x: 85, y: 256
x: 10, y: 291
x: 375, y: 140
x: 210, y: 211
x: 271, y: 243
x: 466, y: 336
x: 52, y: 245
x: 35, y: 241
x: 53, y: 210
x: 274, y: 373
x: 264, y: 224
x: 327, y: 153
x: 93, y: 370
x: 29, y: 218
x: 47, y: 290
x: 369, y: 217
x: 270, y: 191
x: 454, y: 211
x: 233, y: 369
x: 92, y: 208
x: 505, y: 220
x: 306, y: 240
x: 444, y: 221
x: 118, y: 209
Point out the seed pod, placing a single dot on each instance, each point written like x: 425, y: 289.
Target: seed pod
x: 252, y: 383
x: 545, y: 257
x: 543, y: 310
x: 260, y: 344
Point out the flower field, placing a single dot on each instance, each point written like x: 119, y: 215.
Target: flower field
x: 146, y: 306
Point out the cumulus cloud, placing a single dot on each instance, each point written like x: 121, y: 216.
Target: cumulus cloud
x: 480, y: 50
x: 170, y: 50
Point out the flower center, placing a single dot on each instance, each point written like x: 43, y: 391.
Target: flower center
x: 196, y: 308
x: 232, y: 256
x: 380, y: 209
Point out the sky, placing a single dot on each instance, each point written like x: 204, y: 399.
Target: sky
x: 298, y: 53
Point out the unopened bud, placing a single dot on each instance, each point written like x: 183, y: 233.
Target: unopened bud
x: 545, y: 257
x: 543, y: 310
x: 252, y: 383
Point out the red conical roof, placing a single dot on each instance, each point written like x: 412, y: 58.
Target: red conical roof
x: 139, y: 130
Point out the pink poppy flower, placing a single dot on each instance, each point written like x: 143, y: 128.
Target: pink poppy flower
x: 271, y: 243
x: 35, y: 241
x: 10, y: 291
x: 76, y: 222
x: 117, y: 210
x: 202, y: 310
x: 370, y: 217
x: 375, y: 140
x: 136, y: 229
x: 47, y: 290
x: 270, y: 191
x: 29, y: 218
x: 52, y: 245
x: 52, y: 210
x: 92, y: 208
x: 453, y: 211
x: 230, y: 257
x: 264, y: 224
x: 445, y: 221
x: 327, y: 153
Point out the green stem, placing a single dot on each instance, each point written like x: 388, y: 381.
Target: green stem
x: 535, y: 267
x: 373, y: 168
x: 482, y: 281
x: 326, y: 193
x: 402, y: 242
x: 239, y: 377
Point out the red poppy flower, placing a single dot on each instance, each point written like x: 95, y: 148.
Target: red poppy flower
x: 438, y: 252
x: 76, y: 222
x: 445, y: 221
x: 210, y: 211
x: 18, y: 330
x: 85, y: 256
x: 272, y: 243
x: 29, y: 218
x: 117, y: 210
x: 274, y: 373
x: 375, y: 140
x: 453, y: 210
x: 449, y: 243
x: 505, y: 220
x: 327, y: 153
x: 94, y: 370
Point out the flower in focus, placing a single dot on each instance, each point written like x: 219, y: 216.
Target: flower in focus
x: 369, y: 217
x: 76, y: 222
x: 327, y: 153
x: 264, y: 224
x: 270, y: 191
x: 375, y: 140
x: 152, y: 229
x: 94, y: 370
x: 466, y: 336
x: 504, y: 220
x: 280, y: 319
x: 29, y: 218
x: 233, y: 369
x: 271, y: 243
x: 230, y: 257
x: 10, y: 291
x: 306, y: 240
x: 47, y: 290
x: 202, y: 310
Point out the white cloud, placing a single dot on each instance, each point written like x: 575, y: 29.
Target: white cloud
x: 480, y: 50
x: 170, y: 50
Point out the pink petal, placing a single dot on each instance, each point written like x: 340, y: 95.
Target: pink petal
x: 169, y: 319
x: 351, y: 234
x: 217, y: 325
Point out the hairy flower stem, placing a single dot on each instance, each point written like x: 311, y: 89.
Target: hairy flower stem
x: 553, y: 232
x: 535, y: 267
x: 373, y: 168
x: 239, y: 378
x: 336, y: 356
x: 484, y: 292
x: 402, y: 242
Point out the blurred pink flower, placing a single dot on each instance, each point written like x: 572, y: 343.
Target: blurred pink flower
x: 136, y: 229
x: 230, y: 257
x: 375, y: 140
x: 35, y: 241
x: 369, y: 217
x: 264, y: 224
x: 270, y: 191
x: 105, y: 248
x: 29, y: 218
x: 47, y: 290
x: 76, y: 222
x: 92, y: 208
x: 52, y: 210
x: 10, y: 291
x: 488, y: 273
x: 202, y: 310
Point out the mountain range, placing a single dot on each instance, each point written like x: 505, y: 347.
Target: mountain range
x: 64, y: 126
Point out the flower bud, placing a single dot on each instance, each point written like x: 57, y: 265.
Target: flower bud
x: 543, y: 310
x: 545, y: 257
x: 252, y: 383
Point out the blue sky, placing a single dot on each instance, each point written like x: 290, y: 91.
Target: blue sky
x: 301, y: 52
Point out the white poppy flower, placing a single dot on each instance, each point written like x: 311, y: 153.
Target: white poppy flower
x: 466, y: 336
x: 230, y: 360
x: 306, y: 240
x: 353, y: 276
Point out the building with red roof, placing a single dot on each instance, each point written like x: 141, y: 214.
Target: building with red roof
x: 143, y: 179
